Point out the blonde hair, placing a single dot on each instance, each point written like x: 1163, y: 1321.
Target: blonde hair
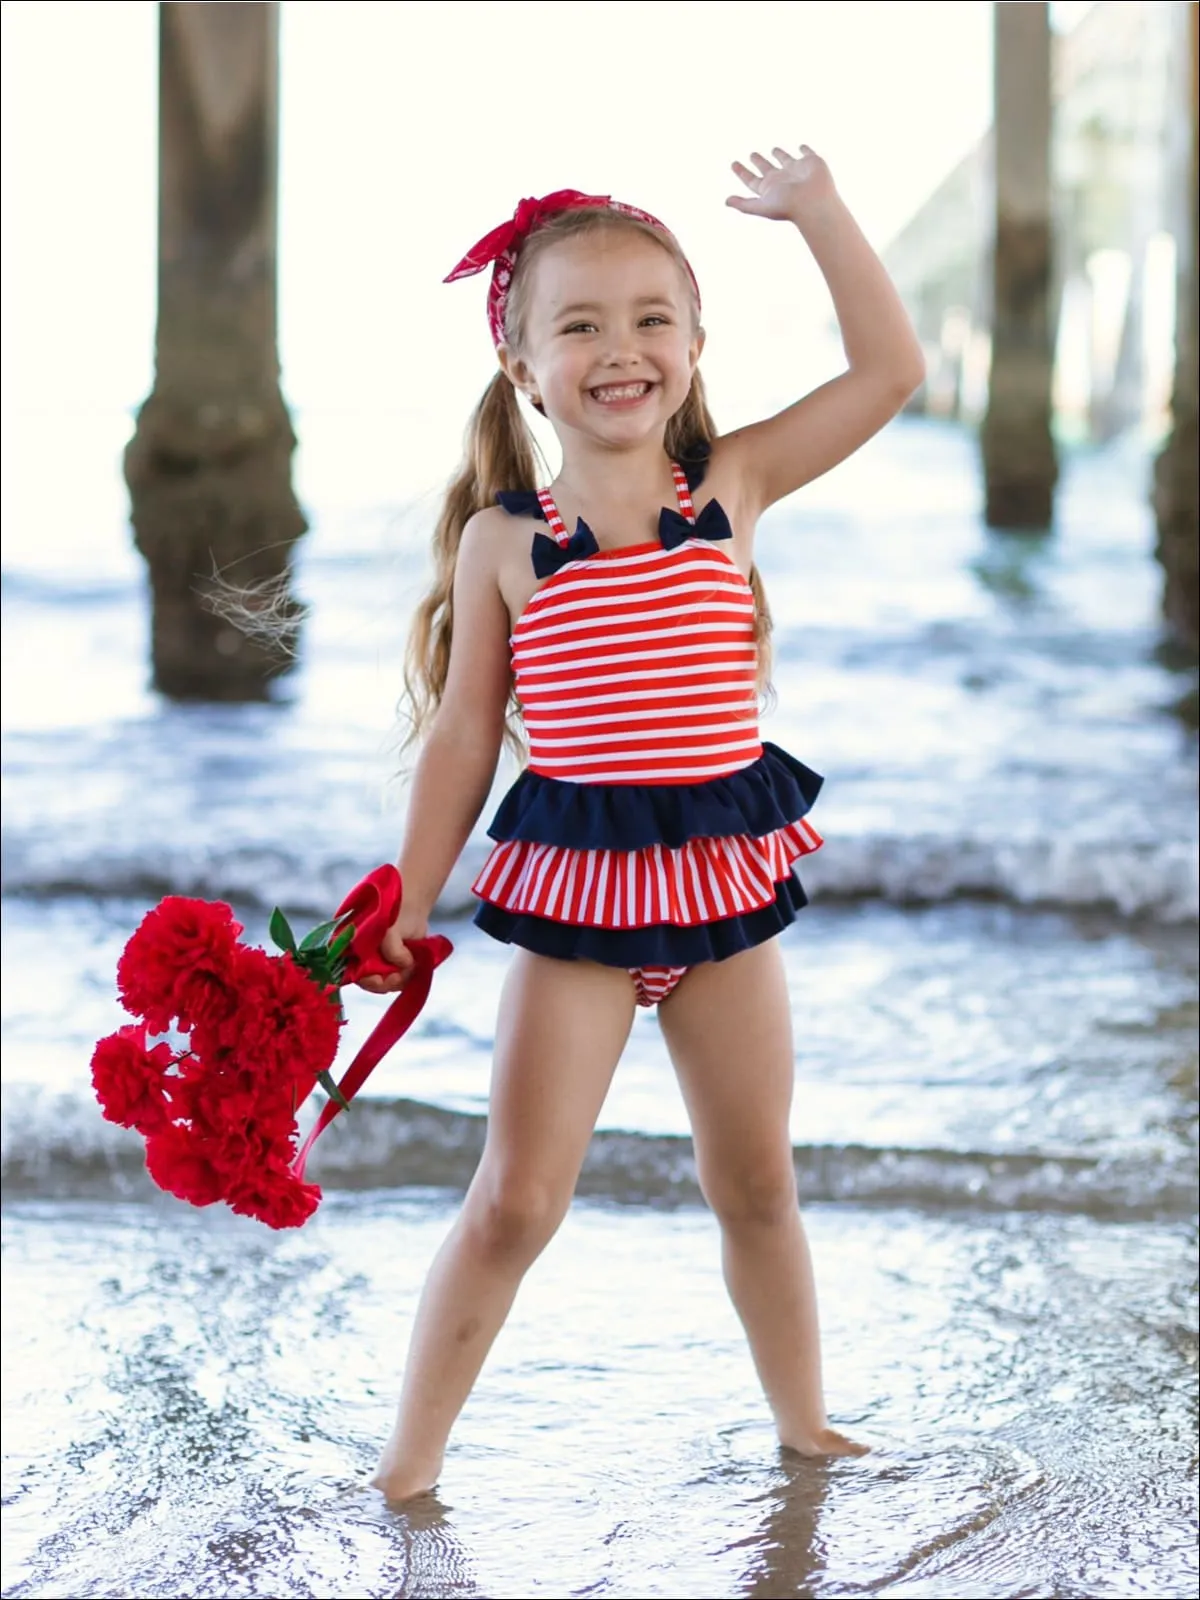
x: 500, y: 453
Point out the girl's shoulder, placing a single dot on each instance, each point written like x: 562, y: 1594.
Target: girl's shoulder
x: 486, y: 529
x: 496, y: 544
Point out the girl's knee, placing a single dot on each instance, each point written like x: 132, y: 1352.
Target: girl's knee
x: 513, y: 1217
x: 761, y: 1197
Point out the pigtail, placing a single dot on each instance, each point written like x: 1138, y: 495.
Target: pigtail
x: 691, y: 434
x: 499, y: 453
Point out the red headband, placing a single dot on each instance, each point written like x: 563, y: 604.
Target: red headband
x: 502, y: 246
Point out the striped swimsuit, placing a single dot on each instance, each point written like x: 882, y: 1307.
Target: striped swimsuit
x: 652, y: 829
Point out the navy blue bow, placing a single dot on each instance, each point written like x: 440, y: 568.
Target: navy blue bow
x: 674, y: 528
x: 550, y: 557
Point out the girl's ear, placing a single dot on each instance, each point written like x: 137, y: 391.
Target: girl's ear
x: 697, y: 346
x: 519, y: 373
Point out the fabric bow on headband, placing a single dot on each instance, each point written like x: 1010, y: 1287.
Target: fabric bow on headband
x: 502, y: 245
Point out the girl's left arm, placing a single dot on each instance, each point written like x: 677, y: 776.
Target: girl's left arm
x: 884, y: 362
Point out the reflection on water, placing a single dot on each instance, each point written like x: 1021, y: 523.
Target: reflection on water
x: 783, y: 1554
x: 1008, y: 569
x: 432, y: 1559
x: 194, y: 1408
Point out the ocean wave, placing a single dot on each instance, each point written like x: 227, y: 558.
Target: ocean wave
x: 34, y: 586
x: 57, y: 1144
x: 1158, y: 881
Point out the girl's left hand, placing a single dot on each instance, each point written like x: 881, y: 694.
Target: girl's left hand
x: 788, y: 189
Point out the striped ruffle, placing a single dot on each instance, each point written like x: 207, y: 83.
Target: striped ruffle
x: 703, y: 880
x: 660, y: 945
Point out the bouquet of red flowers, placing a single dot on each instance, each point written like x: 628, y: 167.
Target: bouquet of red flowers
x: 219, y: 1114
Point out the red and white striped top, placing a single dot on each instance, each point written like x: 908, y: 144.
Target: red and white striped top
x: 638, y: 665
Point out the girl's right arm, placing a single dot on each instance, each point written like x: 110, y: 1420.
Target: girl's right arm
x: 457, y: 764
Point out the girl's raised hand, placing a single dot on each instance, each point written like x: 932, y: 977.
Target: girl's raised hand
x: 787, y: 189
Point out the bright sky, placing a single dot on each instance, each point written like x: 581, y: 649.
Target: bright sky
x: 409, y: 129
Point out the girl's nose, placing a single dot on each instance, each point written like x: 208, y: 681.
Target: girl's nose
x: 622, y: 350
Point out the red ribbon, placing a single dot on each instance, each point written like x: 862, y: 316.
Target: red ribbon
x: 373, y: 906
x: 510, y: 235
x: 499, y: 248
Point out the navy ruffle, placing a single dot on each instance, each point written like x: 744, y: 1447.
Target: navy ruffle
x: 660, y: 945
x: 767, y: 795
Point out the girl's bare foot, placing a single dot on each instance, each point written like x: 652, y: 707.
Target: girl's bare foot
x: 398, y: 1482
x: 399, y: 1489
x: 825, y: 1442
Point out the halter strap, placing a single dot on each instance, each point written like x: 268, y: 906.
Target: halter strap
x: 683, y: 492
x: 558, y: 527
x: 550, y: 511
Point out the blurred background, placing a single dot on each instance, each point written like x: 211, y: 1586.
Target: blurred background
x: 372, y: 174
x: 227, y: 348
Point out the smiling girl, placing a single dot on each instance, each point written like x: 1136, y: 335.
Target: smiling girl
x: 645, y: 855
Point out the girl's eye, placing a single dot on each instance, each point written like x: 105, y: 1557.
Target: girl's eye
x: 655, y: 320
x: 581, y: 327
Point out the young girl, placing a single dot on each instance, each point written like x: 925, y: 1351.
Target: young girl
x: 644, y: 857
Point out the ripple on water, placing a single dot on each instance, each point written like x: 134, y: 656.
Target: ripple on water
x: 1024, y: 1382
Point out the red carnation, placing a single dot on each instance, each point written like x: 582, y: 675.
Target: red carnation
x: 240, y: 1153
x: 219, y: 1116
x: 129, y: 1080
x: 235, y: 1100
x: 274, y: 1195
x: 176, y: 967
x: 284, y: 1027
x: 178, y: 1163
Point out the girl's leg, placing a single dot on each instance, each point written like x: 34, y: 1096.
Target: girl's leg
x: 728, y: 1027
x: 561, y: 1029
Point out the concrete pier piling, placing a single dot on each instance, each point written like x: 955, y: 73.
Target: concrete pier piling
x: 209, y: 466
x: 1019, y: 463
x: 1176, y: 486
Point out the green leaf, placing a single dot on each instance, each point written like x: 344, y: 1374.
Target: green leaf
x: 342, y: 943
x: 325, y: 1079
x: 318, y: 936
x: 281, y: 933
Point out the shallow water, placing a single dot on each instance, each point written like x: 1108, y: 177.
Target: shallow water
x: 201, y: 1401
x: 994, y: 997
x: 1037, y: 1063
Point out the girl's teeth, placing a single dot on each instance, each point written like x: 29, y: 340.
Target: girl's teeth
x: 627, y: 391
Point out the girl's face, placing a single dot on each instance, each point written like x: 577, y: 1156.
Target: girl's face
x: 610, y: 343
